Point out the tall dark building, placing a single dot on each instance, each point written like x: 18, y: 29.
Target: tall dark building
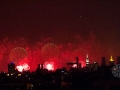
x: 79, y: 65
x: 103, y: 63
x: 11, y: 68
x: 77, y: 61
x: 118, y: 59
x: 39, y: 68
x: 95, y: 66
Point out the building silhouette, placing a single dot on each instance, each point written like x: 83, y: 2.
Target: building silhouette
x: 118, y: 59
x: 87, y: 61
x: 103, y: 63
x: 11, y: 68
x: 94, y: 77
x: 72, y: 64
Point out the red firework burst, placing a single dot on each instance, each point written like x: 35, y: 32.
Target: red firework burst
x: 24, y: 67
x: 50, y: 50
x: 49, y: 66
x: 18, y: 54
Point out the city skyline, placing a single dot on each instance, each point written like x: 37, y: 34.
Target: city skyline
x: 59, y: 45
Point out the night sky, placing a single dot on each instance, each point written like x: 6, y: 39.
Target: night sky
x: 62, y: 20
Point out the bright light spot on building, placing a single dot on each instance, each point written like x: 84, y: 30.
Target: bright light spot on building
x: 61, y: 71
x: 7, y: 74
x: 65, y: 73
x: 11, y: 74
x: 74, y: 66
x: 94, y: 62
x: 19, y: 74
x: 115, y: 69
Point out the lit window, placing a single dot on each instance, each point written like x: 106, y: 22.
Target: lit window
x: 19, y: 74
x: 7, y: 74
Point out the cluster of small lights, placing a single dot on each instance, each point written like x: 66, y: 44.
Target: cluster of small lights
x: 17, y: 54
x: 13, y: 75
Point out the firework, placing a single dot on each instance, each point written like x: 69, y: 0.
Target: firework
x: 50, y: 50
x: 24, y: 67
x: 17, y: 54
x: 49, y: 66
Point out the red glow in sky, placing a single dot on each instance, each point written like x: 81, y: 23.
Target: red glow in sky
x: 83, y: 64
x: 39, y: 54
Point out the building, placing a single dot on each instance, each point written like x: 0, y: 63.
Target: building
x: 11, y: 68
x: 111, y: 61
x: 77, y: 62
x: 103, y: 63
x: 118, y: 60
x: 74, y: 64
x: 87, y: 61
x: 39, y: 68
x: 95, y: 66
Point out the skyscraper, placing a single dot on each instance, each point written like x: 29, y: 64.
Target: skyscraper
x: 11, y: 68
x: 87, y: 61
x: 77, y: 61
x: 103, y: 63
x: 118, y: 60
x: 95, y: 66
